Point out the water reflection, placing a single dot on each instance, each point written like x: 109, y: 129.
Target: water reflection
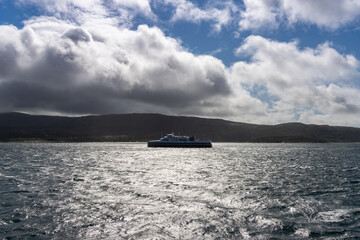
x: 234, y: 191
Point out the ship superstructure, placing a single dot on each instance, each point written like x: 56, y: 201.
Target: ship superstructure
x: 171, y: 140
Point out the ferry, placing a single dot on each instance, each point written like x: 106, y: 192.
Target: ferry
x: 170, y: 140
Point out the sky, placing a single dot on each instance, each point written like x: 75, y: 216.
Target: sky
x: 255, y: 61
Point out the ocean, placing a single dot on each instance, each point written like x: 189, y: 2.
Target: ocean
x: 129, y: 191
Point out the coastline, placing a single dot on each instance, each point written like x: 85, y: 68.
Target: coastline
x: 286, y: 139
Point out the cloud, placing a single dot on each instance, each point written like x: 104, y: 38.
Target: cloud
x: 219, y: 13
x: 329, y: 14
x: 53, y: 65
x: 140, y: 6
x: 124, y: 11
x: 77, y: 34
x: 85, y: 60
x: 259, y: 14
x: 117, y: 12
x: 296, y: 82
x: 68, y: 6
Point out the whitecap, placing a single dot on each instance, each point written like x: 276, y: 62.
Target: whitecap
x: 337, y: 215
x: 302, y: 232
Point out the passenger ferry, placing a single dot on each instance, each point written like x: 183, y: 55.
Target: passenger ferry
x: 170, y: 140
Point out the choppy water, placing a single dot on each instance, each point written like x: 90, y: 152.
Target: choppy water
x: 128, y: 191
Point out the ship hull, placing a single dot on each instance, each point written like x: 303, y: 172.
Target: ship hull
x: 180, y: 144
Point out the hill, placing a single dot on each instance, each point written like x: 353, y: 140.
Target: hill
x: 144, y: 127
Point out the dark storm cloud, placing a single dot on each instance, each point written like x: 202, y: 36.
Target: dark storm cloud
x: 8, y: 56
x: 61, y: 69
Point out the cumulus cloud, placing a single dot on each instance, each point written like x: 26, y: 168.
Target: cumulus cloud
x: 219, y: 13
x: 55, y: 65
x: 297, y: 82
x: 259, y: 14
x: 140, y: 6
x: 329, y: 14
x: 81, y: 11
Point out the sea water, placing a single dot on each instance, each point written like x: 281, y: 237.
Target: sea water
x: 129, y: 191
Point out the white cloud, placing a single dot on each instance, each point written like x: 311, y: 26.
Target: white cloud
x: 140, y: 6
x: 68, y: 6
x: 300, y: 81
x: 119, y: 12
x: 324, y: 13
x: 330, y: 14
x: 259, y: 14
x: 220, y: 13
x: 81, y: 11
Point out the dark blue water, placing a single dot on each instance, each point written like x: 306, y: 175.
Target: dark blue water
x: 128, y: 191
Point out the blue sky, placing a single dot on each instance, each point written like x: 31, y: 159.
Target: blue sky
x: 254, y: 61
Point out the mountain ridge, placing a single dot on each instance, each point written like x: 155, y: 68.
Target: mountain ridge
x: 16, y: 126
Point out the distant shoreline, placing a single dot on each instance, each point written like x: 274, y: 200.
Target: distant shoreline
x: 277, y: 140
x: 19, y: 127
